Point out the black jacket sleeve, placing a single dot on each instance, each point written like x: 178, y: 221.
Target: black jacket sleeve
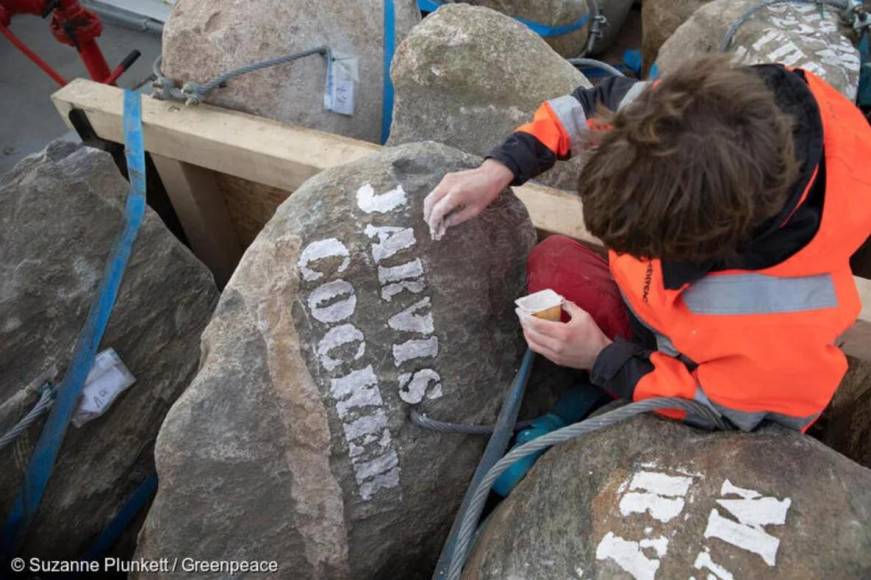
x: 619, y: 367
x: 528, y: 152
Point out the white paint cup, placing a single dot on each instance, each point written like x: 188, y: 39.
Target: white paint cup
x: 545, y: 304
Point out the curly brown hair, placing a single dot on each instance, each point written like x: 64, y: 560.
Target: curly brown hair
x: 691, y: 167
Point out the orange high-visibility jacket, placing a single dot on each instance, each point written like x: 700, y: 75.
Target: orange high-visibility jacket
x: 754, y: 344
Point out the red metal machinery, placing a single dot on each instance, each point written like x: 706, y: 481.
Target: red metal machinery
x: 71, y: 24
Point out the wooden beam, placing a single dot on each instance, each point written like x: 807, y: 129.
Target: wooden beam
x: 253, y: 148
x: 554, y: 211
x: 199, y: 204
x: 264, y: 151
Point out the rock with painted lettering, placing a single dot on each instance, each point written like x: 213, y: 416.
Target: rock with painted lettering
x: 793, y: 34
x: 454, y: 83
x: 293, y: 444
x: 564, y: 22
x: 650, y: 498
x: 204, y: 39
x: 61, y: 211
x: 659, y: 20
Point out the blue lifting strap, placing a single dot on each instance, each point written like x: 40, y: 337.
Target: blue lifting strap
x: 43, y: 459
x: 542, y: 30
x: 116, y: 527
x: 389, y: 49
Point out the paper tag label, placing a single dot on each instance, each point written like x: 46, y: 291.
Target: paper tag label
x: 108, y: 378
x: 342, y: 81
x: 343, y: 98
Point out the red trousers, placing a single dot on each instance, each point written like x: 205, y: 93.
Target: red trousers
x: 582, y: 276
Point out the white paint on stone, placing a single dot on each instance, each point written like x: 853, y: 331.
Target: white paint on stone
x: 787, y: 53
x: 767, y: 36
x: 661, y: 508
x: 822, y: 49
x: 319, y: 250
x: 380, y: 464
x: 729, y: 488
x: 408, y: 270
x: 413, y: 286
x: 630, y: 555
x: 355, y: 450
x: 355, y: 391
x: 373, y: 424
x: 753, y: 512
x: 333, y: 301
x: 414, y: 349
x: 360, y: 406
x: 661, y: 483
x: 391, y: 241
x: 407, y: 276
x: 705, y: 562
x: 386, y: 481
x: 413, y: 320
x: 413, y: 387
x: 357, y: 395
x: 659, y: 494
x: 370, y: 202
x: 337, y: 337
x: 659, y: 545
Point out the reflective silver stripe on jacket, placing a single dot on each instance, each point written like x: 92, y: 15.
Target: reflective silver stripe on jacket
x: 663, y: 342
x: 760, y: 294
x: 633, y: 93
x: 748, y: 420
x: 573, y: 118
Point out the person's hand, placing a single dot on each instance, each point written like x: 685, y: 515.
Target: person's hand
x: 463, y: 195
x: 574, y: 344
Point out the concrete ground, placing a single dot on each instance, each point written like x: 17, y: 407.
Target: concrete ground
x: 28, y: 120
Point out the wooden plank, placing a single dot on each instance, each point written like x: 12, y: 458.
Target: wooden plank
x: 250, y: 204
x: 200, y: 207
x: 263, y: 151
x: 253, y: 148
x: 554, y: 211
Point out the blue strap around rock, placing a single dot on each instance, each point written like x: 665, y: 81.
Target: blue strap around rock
x: 119, y: 524
x: 543, y: 30
x: 42, y: 461
x: 389, y: 49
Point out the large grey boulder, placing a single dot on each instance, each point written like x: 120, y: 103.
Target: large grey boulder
x: 551, y: 13
x: 615, y: 11
x: 654, y: 499
x: 60, y: 213
x: 468, y: 76
x: 293, y: 443
x: 793, y: 34
x: 204, y: 39
x: 659, y: 20
x: 846, y: 424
